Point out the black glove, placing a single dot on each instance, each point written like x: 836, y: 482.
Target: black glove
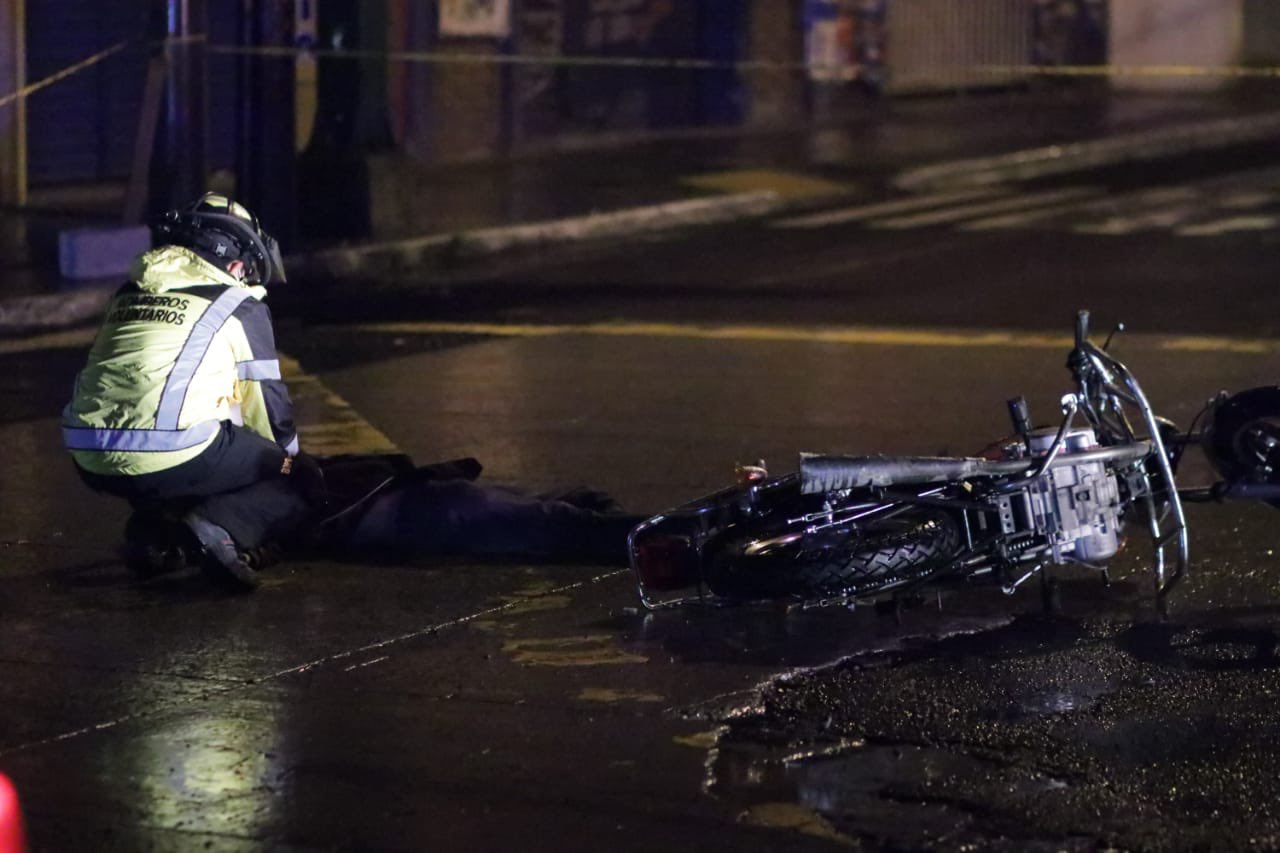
x: 308, y: 479
x: 583, y: 497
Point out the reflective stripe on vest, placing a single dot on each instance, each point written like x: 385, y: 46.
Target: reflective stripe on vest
x: 259, y: 369
x: 165, y: 435
x: 139, y: 440
x: 193, y: 352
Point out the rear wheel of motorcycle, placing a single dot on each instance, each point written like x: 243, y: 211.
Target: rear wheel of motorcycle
x: 879, y: 554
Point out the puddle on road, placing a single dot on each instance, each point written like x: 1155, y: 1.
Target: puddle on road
x: 1057, y: 700
x: 902, y: 796
x: 1045, y: 734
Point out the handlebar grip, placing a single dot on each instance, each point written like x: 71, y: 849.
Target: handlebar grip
x: 1082, y: 327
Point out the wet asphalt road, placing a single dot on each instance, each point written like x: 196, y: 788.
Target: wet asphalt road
x: 458, y: 705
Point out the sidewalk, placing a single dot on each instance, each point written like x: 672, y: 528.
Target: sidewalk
x: 446, y: 216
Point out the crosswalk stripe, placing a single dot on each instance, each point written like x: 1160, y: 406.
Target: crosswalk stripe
x: 956, y: 214
x: 1002, y: 207
x: 886, y: 208
x: 1218, y: 227
x: 1021, y: 219
x: 1106, y: 206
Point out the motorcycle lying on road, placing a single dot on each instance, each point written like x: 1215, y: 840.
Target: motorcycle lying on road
x: 845, y: 528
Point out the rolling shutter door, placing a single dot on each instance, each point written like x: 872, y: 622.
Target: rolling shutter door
x: 82, y: 128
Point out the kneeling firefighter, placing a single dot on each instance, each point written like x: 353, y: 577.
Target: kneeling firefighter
x: 181, y: 409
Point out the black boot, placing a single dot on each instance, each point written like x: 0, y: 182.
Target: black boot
x: 222, y: 560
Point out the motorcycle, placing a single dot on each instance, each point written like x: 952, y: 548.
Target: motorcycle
x: 848, y: 528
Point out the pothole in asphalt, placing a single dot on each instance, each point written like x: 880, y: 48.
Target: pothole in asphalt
x: 1044, y: 734
x: 893, y: 794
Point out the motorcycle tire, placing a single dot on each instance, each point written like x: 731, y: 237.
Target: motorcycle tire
x: 880, y: 554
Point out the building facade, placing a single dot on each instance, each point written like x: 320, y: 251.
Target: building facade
x: 444, y: 81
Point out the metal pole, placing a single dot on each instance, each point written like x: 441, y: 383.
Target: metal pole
x: 265, y: 157
x: 178, y: 161
x: 333, y: 189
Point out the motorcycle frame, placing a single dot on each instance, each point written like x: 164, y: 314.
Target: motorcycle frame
x: 1104, y: 386
x: 1104, y: 379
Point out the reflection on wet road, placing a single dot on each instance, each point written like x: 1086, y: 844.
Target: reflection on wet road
x: 357, y: 705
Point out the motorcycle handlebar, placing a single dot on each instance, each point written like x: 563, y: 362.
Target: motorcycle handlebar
x: 1082, y: 327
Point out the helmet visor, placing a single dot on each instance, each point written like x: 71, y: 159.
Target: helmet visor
x: 274, y: 274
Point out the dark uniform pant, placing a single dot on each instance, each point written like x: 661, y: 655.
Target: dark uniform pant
x: 236, y: 483
x: 428, y: 517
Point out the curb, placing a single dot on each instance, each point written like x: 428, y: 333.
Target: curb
x: 435, y: 253
x: 1091, y: 154
x: 444, y: 252
x: 31, y: 314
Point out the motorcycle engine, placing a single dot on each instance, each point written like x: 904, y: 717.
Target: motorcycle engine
x: 1078, y: 506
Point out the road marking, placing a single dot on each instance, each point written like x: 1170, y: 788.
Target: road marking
x: 586, y: 650
x: 215, y: 691
x: 1117, y: 226
x: 609, y: 695
x: 363, y: 664
x: 956, y: 214
x: 887, y: 208
x: 785, y: 184
x: 846, y: 335
x: 340, y: 425
x: 1226, y: 226
x: 1245, y: 346
x: 1025, y: 218
x: 1085, y: 207
x: 1246, y: 200
x: 796, y: 818
x: 998, y: 207
x: 327, y: 424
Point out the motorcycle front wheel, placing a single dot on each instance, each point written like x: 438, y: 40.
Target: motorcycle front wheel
x: 908, y: 545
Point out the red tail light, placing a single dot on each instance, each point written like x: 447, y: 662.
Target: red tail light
x: 666, y: 562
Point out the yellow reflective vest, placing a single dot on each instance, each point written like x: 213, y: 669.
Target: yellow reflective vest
x: 183, y: 347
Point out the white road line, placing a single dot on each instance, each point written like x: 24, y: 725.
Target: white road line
x: 969, y: 211
x: 1154, y: 220
x: 1218, y: 227
x: 886, y: 208
x: 1025, y: 218
x: 1082, y: 207
x: 1247, y: 199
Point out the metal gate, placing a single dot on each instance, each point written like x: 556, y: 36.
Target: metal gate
x: 953, y: 44
x: 82, y: 128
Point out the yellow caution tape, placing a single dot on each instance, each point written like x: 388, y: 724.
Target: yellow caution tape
x: 64, y: 73
x: 88, y: 62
